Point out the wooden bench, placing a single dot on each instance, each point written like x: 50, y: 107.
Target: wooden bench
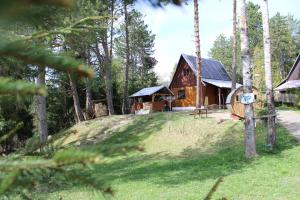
x: 199, y: 112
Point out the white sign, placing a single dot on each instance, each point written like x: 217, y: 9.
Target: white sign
x: 247, y: 98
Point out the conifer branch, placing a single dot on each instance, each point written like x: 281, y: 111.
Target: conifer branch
x: 67, y: 30
x: 11, y: 132
x: 33, y: 54
x: 13, y: 87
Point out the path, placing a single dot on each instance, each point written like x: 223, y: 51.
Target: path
x: 291, y: 121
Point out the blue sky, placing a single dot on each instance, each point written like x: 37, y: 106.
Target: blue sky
x: 174, y: 28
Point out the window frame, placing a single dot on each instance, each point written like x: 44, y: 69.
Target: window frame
x: 182, y: 96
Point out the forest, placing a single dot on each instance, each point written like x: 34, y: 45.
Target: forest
x: 285, y: 36
x: 118, y: 38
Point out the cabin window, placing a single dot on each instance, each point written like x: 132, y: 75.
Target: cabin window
x: 186, y: 72
x: 181, y: 94
x: 255, y: 96
x: 237, y: 98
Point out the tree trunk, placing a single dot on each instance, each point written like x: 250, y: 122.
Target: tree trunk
x: 198, y: 56
x: 268, y: 74
x: 89, y: 106
x: 88, y: 100
x: 107, y: 78
x: 78, y: 111
x: 250, y: 146
x: 234, y: 48
x: 125, y: 97
x: 41, y: 108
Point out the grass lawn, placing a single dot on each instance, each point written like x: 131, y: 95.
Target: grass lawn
x: 286, y: 107
x: 174, y: 156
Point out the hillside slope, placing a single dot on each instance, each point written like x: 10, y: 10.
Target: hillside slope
x: 174, y: 156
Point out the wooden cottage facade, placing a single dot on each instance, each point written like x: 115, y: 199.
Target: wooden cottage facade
x: 216, y: 83
x: 151, y: 99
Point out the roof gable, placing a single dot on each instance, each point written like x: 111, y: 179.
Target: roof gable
x: 211, y: 69
x: 294, y: 73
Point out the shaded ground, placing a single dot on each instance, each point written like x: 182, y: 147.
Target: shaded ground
x: 291, y: 121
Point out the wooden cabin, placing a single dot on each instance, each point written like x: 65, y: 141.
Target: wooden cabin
x: 234, y: 104
x: 286, y: 89
x: 216, y: 83
x: 152, y: 99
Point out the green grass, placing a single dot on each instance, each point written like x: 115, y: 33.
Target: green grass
x: 174, y: 156
x: 287, y: 107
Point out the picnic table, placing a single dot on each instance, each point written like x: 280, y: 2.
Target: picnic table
x: 199, y: 112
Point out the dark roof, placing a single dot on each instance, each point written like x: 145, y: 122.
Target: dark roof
x: 211, y: 69
x: 289, y: 75
x: 151, y: 90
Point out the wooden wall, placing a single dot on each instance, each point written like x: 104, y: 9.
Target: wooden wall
x: 209, y: 96
x: 181, y: 79
x: 184, y: 78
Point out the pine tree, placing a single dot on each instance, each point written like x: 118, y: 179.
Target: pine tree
x: 198, y: 56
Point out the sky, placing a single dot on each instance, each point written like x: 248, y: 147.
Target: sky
x: 174, y: 28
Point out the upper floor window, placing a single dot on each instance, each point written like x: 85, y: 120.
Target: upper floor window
x: 181, y: 94
x: 186, y: 72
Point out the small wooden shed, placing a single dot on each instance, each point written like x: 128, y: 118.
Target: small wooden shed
x: 233, y: 101
x: 151, y: 99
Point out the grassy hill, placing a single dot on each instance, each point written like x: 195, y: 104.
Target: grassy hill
x: 174, y: 156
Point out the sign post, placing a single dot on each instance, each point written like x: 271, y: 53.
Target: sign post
x: 247, y: 98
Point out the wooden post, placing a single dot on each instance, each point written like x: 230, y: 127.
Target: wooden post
x: 219, y: 93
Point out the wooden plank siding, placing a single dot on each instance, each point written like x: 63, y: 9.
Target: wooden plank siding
x: 185, y: 79
x: 209, y: 96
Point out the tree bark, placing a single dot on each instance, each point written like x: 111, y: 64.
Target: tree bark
x: 107, y: 78
x: 198, y: 56
x: 268, y: 74
x: 88, y: 100
x: 41, y: 108
x: 234, y: 48
x: 250, y: 144
x: 78, y: 111
x: 125, y: 97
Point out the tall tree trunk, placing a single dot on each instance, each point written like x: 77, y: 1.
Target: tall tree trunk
x: 250, y: 146
x: 107, y: 78
x: 268, y: 74
x: 198, y: 56
x: 107, y: 71
x: 41, y: 108
x: 125, y: 97
x: 88, y: 93
x: 78, y: 111
x: 112, y: 29
x: 234, y: 47
x: 88, y: 100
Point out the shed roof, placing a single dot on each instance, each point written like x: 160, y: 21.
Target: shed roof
x: 151, y: 90
x: 211, y: 69
x: 289, y: 85
x: 220, y: 83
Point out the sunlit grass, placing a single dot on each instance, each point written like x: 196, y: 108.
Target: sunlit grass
x: 174, y: 156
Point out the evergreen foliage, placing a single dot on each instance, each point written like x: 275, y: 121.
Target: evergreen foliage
x: 285, y: 34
